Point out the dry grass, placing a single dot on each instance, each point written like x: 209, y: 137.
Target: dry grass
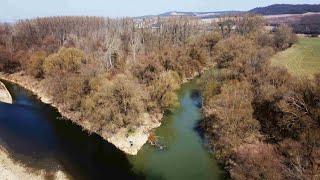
x: 303, y: 59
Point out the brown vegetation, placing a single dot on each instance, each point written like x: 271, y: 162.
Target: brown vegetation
x: 111, y: 72
x: 261, y: 122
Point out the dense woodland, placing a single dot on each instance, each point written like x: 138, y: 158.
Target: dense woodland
x: 110, y: 71
x: 308, y: 25
x: 261, y: 122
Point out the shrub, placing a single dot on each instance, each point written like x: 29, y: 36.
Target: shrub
x: 231, y: 116
x: 257, y: 161
x: 163, y: 89
x: 249, y: 24
x: 76, y: 87
x: 114, y: 103
x: 284, y: 37
x: 35, y: 66
x: 208, y: 85
x: 230, y: 49
x: 67, y: 60
x: 148, y: 69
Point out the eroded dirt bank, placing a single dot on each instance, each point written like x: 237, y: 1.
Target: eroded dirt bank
x: 4, y: 94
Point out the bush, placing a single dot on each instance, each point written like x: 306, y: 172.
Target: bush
x: 240, y: 58
x: 284, y: 37
x: 35, y: 66
x: 76, y: 87
x: 230, y: 49
x: 231, y: 116
x: 148, y: 70
x: 209, y: 85
x: 114, y: 103
x: 163, y: 90
x: 257, y: 161
x: 249, y: 24
x: 67, y: 60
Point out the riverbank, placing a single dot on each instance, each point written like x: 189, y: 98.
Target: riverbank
x: 5, y: 94
x: 129, y: 143
x: 10, y: 170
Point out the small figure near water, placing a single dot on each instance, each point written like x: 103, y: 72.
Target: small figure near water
x: 154, y: 141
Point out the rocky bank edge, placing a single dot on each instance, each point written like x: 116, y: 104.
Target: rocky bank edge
x: 5, y: 94
x: 10, y: 170
x: 129, y: 143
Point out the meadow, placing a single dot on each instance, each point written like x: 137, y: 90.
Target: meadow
x: 302, y: 59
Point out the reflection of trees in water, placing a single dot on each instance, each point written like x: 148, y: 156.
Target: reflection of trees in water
x: 196, y: 98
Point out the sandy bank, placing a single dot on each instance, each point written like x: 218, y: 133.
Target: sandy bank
x: 10, y: 170
x: 129, y: 143
x: 4, y: 94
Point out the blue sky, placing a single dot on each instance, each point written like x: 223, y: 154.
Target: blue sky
x: 18, y: 9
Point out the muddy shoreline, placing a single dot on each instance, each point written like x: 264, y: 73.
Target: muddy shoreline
x: 14, y: 170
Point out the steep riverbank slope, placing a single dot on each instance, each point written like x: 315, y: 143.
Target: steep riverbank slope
x: 4, y: 94
x: 130, y: 143
x: 10, y: 170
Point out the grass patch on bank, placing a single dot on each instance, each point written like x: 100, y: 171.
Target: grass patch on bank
x: 303, y: 59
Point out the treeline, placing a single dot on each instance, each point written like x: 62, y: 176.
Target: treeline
x: 109, y: 71
x: 301, y: 24
x: 309, y: 24
x: 261, y: 122
x: 277, y: 9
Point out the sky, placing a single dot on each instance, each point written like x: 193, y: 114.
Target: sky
x: 21, y: 9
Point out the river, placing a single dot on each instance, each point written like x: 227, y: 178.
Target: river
x: 35, y: 135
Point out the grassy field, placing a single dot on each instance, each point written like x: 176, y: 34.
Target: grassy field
x: 303, y: 59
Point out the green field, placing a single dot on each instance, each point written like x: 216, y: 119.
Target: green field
x: 303, y: 59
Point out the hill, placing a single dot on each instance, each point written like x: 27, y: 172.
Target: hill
x: 286, y: 9
x: 202, y: 15
x: 276, y: 9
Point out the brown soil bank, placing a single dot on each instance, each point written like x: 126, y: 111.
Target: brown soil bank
x: 129, y: 143
x: 4, y: 94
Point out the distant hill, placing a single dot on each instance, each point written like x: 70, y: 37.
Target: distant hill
x: 277, y: 9
x: 202, y: 15
x: 10, y: 21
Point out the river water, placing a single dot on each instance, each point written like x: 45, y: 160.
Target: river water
x: 36, y: 136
